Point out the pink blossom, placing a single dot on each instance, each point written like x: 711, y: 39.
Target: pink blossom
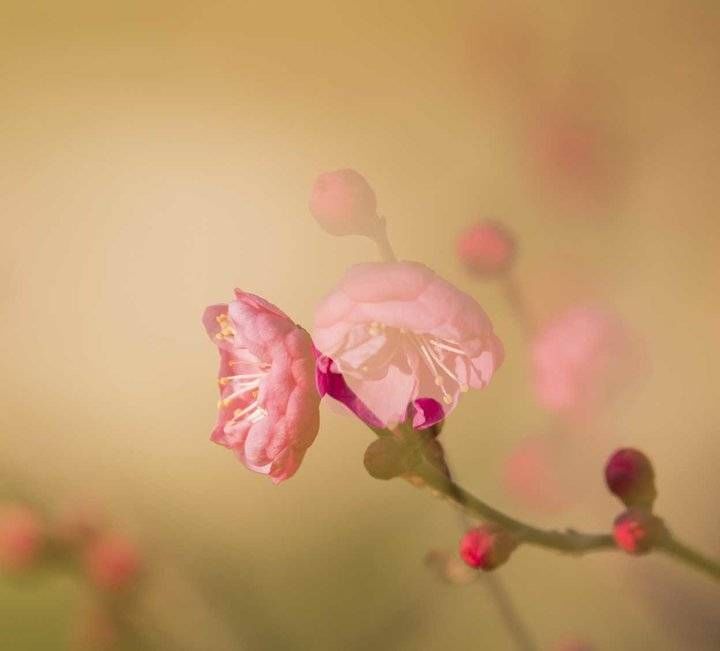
x: 269, y: 406
x: 486, y: 248
x: 579, y: 358
x: 112, y: 562
x: 21, y: 537
x: 397, y: 333
x: 343, y: 203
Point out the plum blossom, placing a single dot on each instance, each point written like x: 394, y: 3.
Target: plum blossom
x: 269, y: 406
x: 579, y: 358
x: 397, y: 333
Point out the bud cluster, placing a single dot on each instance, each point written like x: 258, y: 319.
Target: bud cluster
x: 629, y: 475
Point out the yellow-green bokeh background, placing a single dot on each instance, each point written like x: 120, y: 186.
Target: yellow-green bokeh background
x: 158, y: 154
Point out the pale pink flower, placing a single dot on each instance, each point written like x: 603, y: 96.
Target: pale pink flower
x: 21, y: 537
x: 269, y: 405
x: 112, y: 562
x: 343, y: 203
x: 580, y: 358
x: 397, y: 333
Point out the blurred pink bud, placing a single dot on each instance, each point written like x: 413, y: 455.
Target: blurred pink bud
x: 397, y: 333
x: 629, y: 475
x: 637, y: 530
x: 486, y: 248
x: 269, y: 404
x: 580, y: 358
x: 343, y: 203
x: 21, y: 537
x: 487, y: 546
x: 112, y: 562
x: 533, y: 474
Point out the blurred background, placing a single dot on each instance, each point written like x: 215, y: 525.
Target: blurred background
x: 158, y: 154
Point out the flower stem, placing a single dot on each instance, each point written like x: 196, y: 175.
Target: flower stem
x: 689, y: 556
x: 513, y: 622
x: 383, y: 243
x: 569, y: 541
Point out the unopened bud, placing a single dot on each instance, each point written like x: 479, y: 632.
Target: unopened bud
x: 486, y: 248
x: 487, y: 546
x: 21, y: 537
x: 636, y: 531
x: 629, y: 475
x: 112, y: 562
x: 343, y: 203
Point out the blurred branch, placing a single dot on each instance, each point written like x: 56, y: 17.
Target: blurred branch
x: 689, y: 556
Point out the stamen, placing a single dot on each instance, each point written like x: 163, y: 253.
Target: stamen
x: 443, y: 346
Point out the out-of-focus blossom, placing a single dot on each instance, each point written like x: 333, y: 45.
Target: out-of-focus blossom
x: 630, y: 475
x: 486, y: 248
x: 580, y: 358
x: 21, y: 537
x: 112, y: 562
x: 533, y: 474
x: 637, y: 530
x: 486, y: 547
x: 269, y: 404
x: 343, y: 203
x: 397, y: 333
x: 576, y: 155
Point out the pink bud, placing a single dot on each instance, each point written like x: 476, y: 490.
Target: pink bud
x: 343, y: 203
x: 486, y: 547
x: 629, y: 475
x: 486, y: 248
x: 637, y: 530
x: 21, y: 537
x: 112, y: 562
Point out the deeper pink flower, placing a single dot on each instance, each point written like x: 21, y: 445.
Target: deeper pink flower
x: 579, y: 358
x: 397, y: 333
x: 21, y: 537
x: 268, y: 409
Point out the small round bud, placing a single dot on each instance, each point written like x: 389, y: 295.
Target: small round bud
x: 486, y: 547
x: 343, y: 203
x: 486, y: 248
x: 112, y: 562
x: 21, y: 537
x: 636, y: 531
x: 629, y: 475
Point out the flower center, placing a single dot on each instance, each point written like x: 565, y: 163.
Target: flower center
x: 242, y: 387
